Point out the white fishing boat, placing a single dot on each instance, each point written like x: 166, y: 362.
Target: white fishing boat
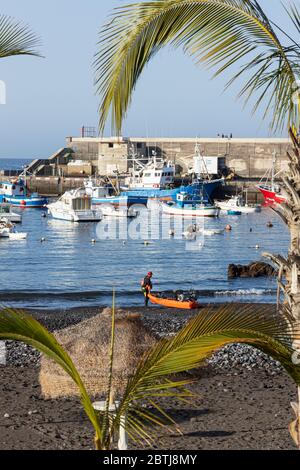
x: 75, y: 206
x: 189, y: 210
x: 237, y: 204
x: 155, y: 174
x: 6, y: 212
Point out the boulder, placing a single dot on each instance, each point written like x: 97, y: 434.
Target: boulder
x: 256, y: 269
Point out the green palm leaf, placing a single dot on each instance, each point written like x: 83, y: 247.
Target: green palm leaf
x: 16, y: 38
x: 203, y: 335
x: 18, y: 326
x: 217, y: 33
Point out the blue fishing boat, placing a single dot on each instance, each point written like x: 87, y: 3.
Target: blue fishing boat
x: 154, y: 180
x: 16, y: 194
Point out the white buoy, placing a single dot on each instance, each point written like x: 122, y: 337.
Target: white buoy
x: 146, y: 243
x: 171, y: 233
x: 257, y: 247
x: 43, y: 239
x: 93, y: 240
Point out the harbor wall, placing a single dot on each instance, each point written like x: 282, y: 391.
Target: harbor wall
x: 247, y: 157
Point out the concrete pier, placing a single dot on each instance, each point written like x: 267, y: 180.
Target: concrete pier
x: 248, y: 159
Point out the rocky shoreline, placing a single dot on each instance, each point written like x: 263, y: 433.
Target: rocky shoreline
x: 162, y: 322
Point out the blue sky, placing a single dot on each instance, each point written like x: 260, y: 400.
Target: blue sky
x: 51, y: 98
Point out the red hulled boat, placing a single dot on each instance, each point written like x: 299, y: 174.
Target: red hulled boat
x: 270, y: 194
x: 268, y: 188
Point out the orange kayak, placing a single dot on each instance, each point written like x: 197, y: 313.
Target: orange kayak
x: 188, y: 305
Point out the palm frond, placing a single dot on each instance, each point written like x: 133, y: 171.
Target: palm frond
x: 16, y: 38
x: 217, y: 33
x: 16, y: 325
x: 204, y: 334
x: 294, y: 15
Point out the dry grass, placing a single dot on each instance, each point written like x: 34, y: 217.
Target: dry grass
x: 88, y: 345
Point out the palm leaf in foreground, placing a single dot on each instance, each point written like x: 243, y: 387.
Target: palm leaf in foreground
x: 16, y: 325
x: 16, y: 38
x: 203, y: 335
x: 217, y: 33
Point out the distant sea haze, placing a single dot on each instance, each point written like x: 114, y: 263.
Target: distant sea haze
x: 13, y: 163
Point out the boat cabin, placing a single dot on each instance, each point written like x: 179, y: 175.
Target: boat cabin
x: 94, y: 191
x: 77, y: 200
x: 154, y: 175
x: 13, y: 188
x: 4, y: 210
x: 184, y: 198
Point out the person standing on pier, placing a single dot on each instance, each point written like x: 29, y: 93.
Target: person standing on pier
x: 147, y: 286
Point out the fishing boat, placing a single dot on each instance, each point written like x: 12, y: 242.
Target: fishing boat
x: 271, y: 191
x: 176, y: 302
x: 102, y: 195
x: 187, y: 207
x: 199, y: 210
x: 16, y: 193
x: 6, y: 213
x: 237, y: 205
x: 75, y: 206
x: 156, y: 179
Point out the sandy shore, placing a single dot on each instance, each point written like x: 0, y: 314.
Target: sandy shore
x: 243, y: 399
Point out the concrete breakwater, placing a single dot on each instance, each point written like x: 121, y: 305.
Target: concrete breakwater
x: 49, y: 186
x: 55, y: 186
x: 247, y: 160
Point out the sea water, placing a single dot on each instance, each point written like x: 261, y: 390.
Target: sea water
x: 68, y: 270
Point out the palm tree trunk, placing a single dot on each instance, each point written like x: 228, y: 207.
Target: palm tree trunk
x: 290, y: 267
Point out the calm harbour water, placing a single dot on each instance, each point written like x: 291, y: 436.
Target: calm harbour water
x: 67, y: 270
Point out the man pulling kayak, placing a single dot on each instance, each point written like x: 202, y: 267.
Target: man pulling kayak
x: 147, y: 286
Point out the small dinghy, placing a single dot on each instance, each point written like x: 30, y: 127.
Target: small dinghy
x: 181, y: 301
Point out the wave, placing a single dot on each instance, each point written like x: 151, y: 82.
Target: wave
x: 242, y: 292
x: 82, y: 295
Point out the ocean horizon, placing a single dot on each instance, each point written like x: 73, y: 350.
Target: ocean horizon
x: 14, y: 163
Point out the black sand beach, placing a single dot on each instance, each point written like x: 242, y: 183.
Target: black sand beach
x: 243, y: 398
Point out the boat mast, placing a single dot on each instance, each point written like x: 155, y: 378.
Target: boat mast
x: 273, y: 171
x: 199, y: 154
